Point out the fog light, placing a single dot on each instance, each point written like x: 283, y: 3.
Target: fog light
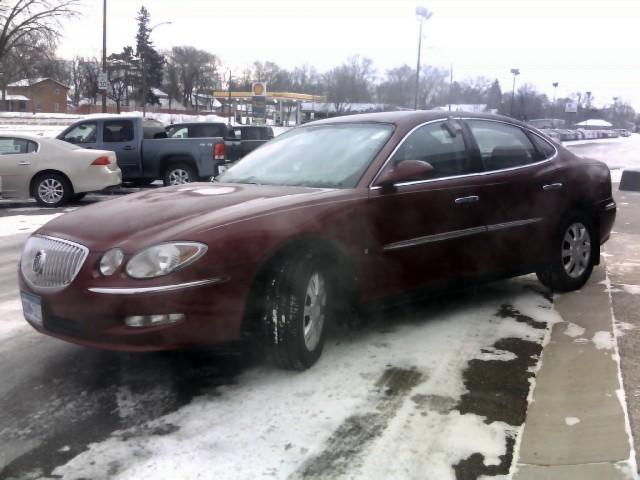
x: 153, y: 320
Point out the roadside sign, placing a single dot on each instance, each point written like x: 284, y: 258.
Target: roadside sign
x: 571, y: 107
x: 259, y: 110
x: 103, y: 81
x: 259, y: 89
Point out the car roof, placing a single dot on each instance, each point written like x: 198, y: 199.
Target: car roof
x: 410, y: 118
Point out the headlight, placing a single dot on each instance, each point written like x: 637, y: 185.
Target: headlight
x: 164, y: 259
x: 110, y: 261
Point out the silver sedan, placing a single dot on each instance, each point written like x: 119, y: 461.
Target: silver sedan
x: 52, y: 171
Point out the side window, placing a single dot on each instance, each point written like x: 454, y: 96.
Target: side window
x: 82, y: 133
x: 11, y: 146
x: 178, y: 132
x: 252, y: 134
x: 545, y: 149
x: 502, y: 145
x: 435, y: 144
x: 208, y: 131
x: 32, y: 147
x: 115, y: 131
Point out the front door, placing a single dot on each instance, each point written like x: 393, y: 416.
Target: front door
x: 118, y: 136
x: 430, y: 231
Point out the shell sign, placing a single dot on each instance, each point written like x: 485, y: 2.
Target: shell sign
x: 259, y: 89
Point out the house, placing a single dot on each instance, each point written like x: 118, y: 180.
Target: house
x: 41, y: 95
x: 15, y: 103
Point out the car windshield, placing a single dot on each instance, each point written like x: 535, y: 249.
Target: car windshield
x: 323, y: 156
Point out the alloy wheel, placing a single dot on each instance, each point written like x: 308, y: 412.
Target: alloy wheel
x: 576, y: 250
x: 51, y: 190
x: 313, y: 317
x: 179, y: 176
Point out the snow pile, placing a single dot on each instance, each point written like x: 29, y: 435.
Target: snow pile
x: 276, y: 423
x: 574, y: 330
x: 15, y: 224
x: 603, y: 340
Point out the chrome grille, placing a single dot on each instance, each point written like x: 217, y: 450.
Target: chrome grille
x: 51, y: 263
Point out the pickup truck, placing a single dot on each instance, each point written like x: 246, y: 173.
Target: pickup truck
x: 145, y: 153
x: 239, y: 139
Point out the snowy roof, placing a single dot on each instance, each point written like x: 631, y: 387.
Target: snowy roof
x: 464, y: 107
x: 26, y: 82
x: 346, y: 107
x: 15, y: 98
x: 594, y: 122
x: 159, y: 93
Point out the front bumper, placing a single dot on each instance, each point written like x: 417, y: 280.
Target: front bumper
x: 213, y: 314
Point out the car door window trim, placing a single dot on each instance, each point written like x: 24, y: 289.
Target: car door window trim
x: 453, y: 234
x: 488, y: 172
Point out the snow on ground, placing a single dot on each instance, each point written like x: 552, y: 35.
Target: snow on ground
x: 627, y: 152
x: 14, y: 224
x: 281, y: 424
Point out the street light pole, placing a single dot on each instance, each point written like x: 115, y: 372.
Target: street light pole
x: 104, y: 52
x: 144, y: 70
x: 515, y: 72
x: 423, y: 15
x: 555, y: 106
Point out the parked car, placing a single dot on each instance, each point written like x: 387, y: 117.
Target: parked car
x: 239, y: 139
x: 53, y: 172
x: 145, y: 153
x: 623, y: 132
x: 324, y: 218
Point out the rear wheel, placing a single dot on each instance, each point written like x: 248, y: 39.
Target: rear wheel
x: 297, y: 306
x: 572, y: 257
x: 52, y: 190
x: 178, y: 174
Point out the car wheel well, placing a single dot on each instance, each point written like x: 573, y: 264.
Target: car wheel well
x: 173, y: 159
x: 590, y: 211
x: 343, y: 276
x: 40, y: 174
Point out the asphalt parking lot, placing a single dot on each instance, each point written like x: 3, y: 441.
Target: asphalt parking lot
x: 436, y: 389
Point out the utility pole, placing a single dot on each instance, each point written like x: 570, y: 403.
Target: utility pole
x: 555, y: 106
x: 450, y: 86
x: 515, y: 72
x: 104, y: 52
x: 229, y: 98
x: 423, y: 15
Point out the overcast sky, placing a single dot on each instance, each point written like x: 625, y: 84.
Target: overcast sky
x: 582, y: 44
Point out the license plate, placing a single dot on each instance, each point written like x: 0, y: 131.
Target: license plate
x: 222, y: 169
x: 32, y: 308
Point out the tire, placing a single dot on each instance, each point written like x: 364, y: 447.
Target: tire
x: 571, y: 263
x: 297, y: 305
x: 178, y: 174
x: 52, y: 190
x: 76, y: 197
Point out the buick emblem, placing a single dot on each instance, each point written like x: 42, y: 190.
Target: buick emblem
x: 38, y: 262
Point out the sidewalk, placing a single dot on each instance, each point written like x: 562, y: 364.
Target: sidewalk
x: 577, y: 425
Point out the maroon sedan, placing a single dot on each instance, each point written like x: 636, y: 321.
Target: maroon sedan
x: 315, y: 223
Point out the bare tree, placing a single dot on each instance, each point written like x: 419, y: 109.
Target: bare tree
x: 30, y: 24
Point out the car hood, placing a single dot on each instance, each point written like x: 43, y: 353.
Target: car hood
x: 175, y: 213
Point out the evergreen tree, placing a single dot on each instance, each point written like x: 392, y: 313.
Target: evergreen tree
x: 148, y: 57
x: 494, y: 99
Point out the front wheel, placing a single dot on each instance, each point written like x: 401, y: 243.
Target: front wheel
x: 572, y: 257
x: 296, y: 309
x: 52, y: 190
x: 178, y: 174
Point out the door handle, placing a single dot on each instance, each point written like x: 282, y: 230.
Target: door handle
x: 127, y: 147
x: 24, y: 163
x: 552, y: 186
x: 470, y: 199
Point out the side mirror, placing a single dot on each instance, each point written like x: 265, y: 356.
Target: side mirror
x: 405, y: 171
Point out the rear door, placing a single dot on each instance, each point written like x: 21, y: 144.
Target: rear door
x: 522, y: 192
x: 119, y: 137
x: 17, y: 166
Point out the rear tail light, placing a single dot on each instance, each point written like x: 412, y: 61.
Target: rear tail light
x: 218, y: 151
x: 101, y: 161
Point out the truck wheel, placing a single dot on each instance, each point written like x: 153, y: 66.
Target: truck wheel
x: 178, y: 174
x: 52, y: 190
x: 572, y: 255
x: 297, y: 305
